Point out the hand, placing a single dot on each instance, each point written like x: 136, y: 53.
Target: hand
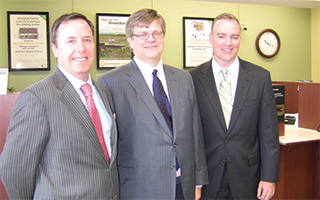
x: 198, y: 193
x: 266, y: 190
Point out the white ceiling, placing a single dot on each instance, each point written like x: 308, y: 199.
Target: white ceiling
x: 287, y: 3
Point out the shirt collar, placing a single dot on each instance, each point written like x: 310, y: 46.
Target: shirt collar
x: 77, y: 83
x: 147, y: 69
x: 233, y: 69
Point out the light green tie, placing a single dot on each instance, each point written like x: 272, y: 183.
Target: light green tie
x: 226, y: 96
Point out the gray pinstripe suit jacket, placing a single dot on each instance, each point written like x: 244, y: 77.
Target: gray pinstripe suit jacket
x: 251, y: 144
x: 52, y: 150
x: 147, y: 149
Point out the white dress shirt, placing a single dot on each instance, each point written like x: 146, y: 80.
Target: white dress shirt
x: 105, y: 118
x: 147, y: 70
x: 233, y: 74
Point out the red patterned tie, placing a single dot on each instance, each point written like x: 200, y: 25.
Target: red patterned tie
x: 95, y: 117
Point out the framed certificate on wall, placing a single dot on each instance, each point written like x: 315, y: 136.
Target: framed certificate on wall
x: 196, y: 46
x: 28, y: 41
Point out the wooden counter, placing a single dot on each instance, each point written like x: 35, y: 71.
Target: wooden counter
x: 299, y: 164
x: 6, y: 103
x: 296, y: 135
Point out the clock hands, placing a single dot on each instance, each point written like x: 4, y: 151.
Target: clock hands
x: 268, y: 43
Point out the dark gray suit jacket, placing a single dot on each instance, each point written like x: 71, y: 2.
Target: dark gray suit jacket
x: 251, y: 144
x: 52, y: 150
x: 147, y: 148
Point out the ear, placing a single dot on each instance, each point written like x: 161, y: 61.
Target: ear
x: 210, y: 38
x: 129, y: 39
x: 54, y: 50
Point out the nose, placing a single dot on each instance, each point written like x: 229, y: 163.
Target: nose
x: 148, y: 37
x: 228, y: 41
x: 80, y: 46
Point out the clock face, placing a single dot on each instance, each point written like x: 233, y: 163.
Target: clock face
x: 268, y: 43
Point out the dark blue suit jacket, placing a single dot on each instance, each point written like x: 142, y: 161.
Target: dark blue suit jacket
x: 251, y: 144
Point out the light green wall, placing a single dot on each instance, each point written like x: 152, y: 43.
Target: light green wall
x: 292, y: 63
x: 315, y: 48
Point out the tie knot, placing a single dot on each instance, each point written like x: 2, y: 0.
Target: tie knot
x: 155, y: 72
x: 224, y: 73
x: 86, y: 89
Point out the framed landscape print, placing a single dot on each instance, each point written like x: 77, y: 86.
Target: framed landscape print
x: 112, y: 47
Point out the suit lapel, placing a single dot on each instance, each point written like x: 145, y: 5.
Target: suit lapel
x: 243, y: 85
x: 138, y: 83
x: 173, y: 88
x: 73, y: 102
x: 209, y: 86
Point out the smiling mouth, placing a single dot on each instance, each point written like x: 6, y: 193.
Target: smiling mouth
x: 80, y: 59
x: 151, y: 47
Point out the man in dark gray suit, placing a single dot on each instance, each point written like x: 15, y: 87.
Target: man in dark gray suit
x: 149, y: 143
x: 52, y: 149
x: 239, y: 119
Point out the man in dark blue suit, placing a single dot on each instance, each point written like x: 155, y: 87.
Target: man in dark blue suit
x: 239, y: 118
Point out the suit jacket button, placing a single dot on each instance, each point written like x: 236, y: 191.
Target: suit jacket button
x: 175, y: 145
x: 173, y: 167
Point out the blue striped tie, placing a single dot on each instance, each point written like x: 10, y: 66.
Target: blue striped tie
x: 161, y: 99
x: 226, y: 96
x: 163, y: 103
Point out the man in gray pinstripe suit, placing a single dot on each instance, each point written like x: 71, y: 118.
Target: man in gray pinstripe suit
x: 52, y: 149
x: 147, y: 147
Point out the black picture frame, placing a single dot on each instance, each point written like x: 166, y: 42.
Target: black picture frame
x: 196, y: 46
x: 113, y: 49
x: 28, y: 41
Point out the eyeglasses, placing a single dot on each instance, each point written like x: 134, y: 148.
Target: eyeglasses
x: 145, y: 35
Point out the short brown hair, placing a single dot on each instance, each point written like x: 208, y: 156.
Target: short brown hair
x: 66, y: 18
x: 144, y: 17
x: 225, y: 16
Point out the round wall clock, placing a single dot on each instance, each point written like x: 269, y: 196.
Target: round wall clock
x: 268, y: 43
